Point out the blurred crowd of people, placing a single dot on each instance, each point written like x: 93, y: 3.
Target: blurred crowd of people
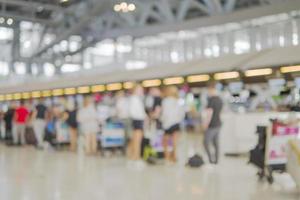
x: 37, y: 123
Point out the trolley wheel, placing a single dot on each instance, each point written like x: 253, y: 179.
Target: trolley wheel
x: 260, y: 175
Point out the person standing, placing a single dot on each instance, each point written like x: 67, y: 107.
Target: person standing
x: 138, y: 115
x: 8, y: 119
x: 20, y: 119
x: 71, y: 120
x: 89, y: 125
x: 39, y: 122
x: 212, y: 124
x: 122, y: 112
x: 171, y: 116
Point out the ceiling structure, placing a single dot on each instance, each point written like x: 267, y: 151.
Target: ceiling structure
x: 86, y: 22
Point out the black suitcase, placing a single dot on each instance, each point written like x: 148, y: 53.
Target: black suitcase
x: 30, y: 136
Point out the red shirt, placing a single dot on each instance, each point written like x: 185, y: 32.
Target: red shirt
x: 21, y: 115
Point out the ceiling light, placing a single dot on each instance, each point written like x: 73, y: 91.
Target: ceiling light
x: 98, y: 88
x: 128, y: 85
x: 198, y: 78
x: 226, y: 75
x: 64, y: 1
x: 36, y: 94
x: 174, y: 81
x: 46, y: 93
x: 117, y: 8
x: 10, y: 21
x: 40, y: 8
x: 57, y: 92
x: 290, y: 69
x: 131, y: 7
x: 114, y: 86
x: 8, y: 97
x: 25, y: 95
x: 258, y: 72
x: 151, y: 83
x: 123, y: 5
x: 70, y: 91
x: 83, y: 90
x: 17, y: 96
x: 2, y: 20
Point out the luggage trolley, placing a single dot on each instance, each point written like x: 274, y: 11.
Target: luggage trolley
x: 270, y: 154
x: 113, y: 136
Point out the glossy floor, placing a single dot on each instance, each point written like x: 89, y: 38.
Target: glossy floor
x: 27, y: 174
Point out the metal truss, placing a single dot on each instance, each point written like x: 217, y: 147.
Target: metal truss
x: 95, y: 20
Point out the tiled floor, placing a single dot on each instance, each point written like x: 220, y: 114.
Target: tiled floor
x: 27, y: 174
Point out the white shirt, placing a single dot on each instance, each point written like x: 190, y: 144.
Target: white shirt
x: 122, y: 106
x: 88, y: 119
x: 172, y: 112
x: 136, y: 108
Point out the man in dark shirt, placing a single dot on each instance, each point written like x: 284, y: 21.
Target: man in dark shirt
x: 213, y: 123
x: 8, y: 119
x: 39, y: 124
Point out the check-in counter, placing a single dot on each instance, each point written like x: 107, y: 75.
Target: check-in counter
x: 293, y: 164
x: 238, y: 131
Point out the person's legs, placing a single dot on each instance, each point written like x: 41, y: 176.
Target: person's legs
x: 166, y: 139
x: 73, y: 139
x: 22, y: 134
x: 207, y: 142
x: 137, y: 140
x: 15, y: 134
x: 39, y: 129
x: 88, y: 143
x: 215, y: 142
x: 94, y: 143
x: 130, y: 149
x: 174, y: 143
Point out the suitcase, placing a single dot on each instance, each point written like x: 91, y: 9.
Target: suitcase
x: 30, y: 136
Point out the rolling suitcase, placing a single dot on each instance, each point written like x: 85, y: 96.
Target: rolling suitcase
x: 30, y: 136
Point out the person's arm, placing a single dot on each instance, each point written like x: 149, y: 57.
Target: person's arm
x: 29, y: 117
x: 34, y: 114
x: 15, y: 117
x: 208, y: 113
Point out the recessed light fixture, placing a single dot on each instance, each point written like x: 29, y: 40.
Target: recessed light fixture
x: 10, y: 21
x: 2, y: 20
x: 131, y: 7
x: 124, y: 7
x: 117, y: 8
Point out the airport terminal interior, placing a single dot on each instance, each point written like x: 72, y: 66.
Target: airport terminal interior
x: 150, y: 99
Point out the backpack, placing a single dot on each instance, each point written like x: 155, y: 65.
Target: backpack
x: 195, y: 161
